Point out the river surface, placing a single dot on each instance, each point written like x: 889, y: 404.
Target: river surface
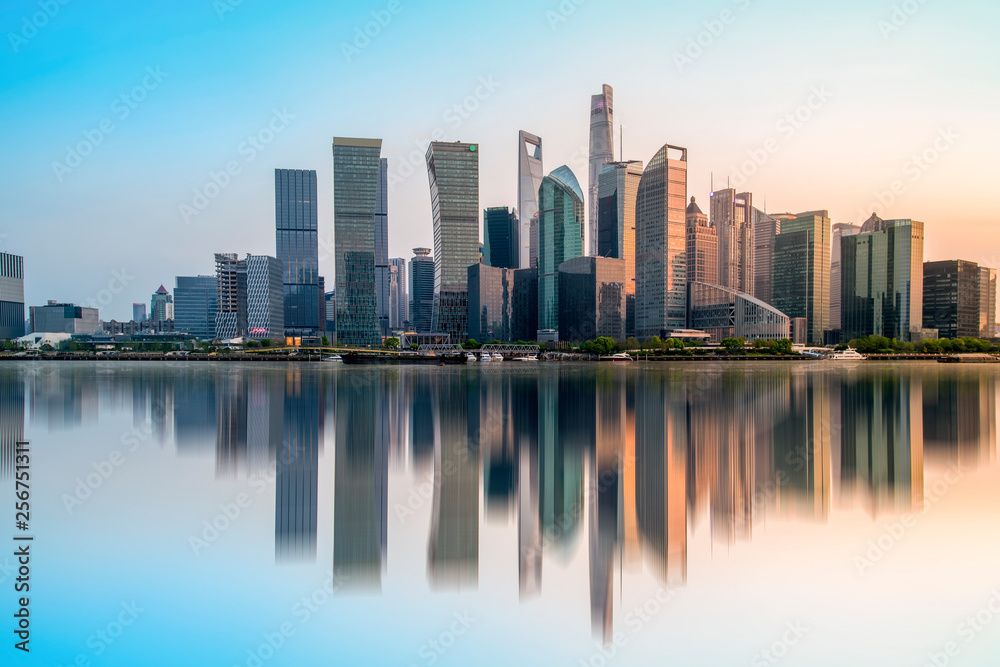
x: 816, y: 513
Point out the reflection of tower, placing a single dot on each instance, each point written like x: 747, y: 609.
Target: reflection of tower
x: 661, y: 477
x: 11, y: 419
x: 265, y: 419
x: 453, y: 551
x: 195, y: 414
x: 231, y: 443
x: 496, y: 442
x: 882, y: 444
x: 602, y: 509
x: 359, y: 506
x: 297, y: 469
x: 802, y: 447
x: 959, y: 416
x: 560, y: 465
x: 529, y: 533
x: 421, y: 418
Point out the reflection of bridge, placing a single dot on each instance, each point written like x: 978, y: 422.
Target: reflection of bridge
x: 504, y: 348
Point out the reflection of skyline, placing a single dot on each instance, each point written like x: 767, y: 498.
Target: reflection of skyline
x: 632, y: 461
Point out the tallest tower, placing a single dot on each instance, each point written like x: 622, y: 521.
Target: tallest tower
x: 602, y: 151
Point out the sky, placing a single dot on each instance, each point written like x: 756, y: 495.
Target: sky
x: 139, y: 140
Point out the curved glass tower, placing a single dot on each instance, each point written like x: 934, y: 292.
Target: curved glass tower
x: 661, y: 260
x: 560, y: 237
x: 529, y: 179
x: 602, y: 151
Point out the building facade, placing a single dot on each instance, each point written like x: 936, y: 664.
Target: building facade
x: 560, y: 237
x: 421, y: 291
x: 453, y: 175
x: 297, y: 246
x: 11, y: 296
x: 800, y: 270
x: 725, y: 313
x: 661, y: 258
x: 882, y: 280
x: 382, y: 276
x: 592, y: 293
x: 500, y: 234
x: 196, y: 302
x: 64, y: 318
x: 162, y: 305
x: 602, y: 151
x: 953, y: 298
x: 765, y: 229
x: 702, y: 244
x: 732, y: 216
x: 139, y: 311
x: 618, y: 186
x: 357, y: 178
x: 529, y: 180
x: 265, y: 298
x: 987, y: 302
x: 399, y: 301
x: 840, y: 230
x: 231, y: 284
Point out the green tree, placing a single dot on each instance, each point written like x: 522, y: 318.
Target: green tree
x: 392, y: 343
x: 654, y: 343
x: 252, y: 344
x: 734, y: 345
x: 265, y: 342
x: 324, y: 341
x: 471, y: 344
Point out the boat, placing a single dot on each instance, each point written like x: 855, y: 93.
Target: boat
x: 470, y: 357
x: 969, y: 359
x: 355, y: 358
x: 850, y: 354
x: 621, y: 356
x: 335, y: 357
x: 496, y: 356
x: 485, y: 357
x: 530, y: 357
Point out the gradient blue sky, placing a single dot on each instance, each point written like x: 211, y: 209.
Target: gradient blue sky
x: 890, y: 97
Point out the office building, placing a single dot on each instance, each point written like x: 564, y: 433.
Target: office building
x: 398, y: 299
x: 357, y: 170
x: 453, y: 174
x: 957, y: 296
x: 421, y: 280
x: 765, y: 229
x: 602, y: 151
x: 11, y: 296
x: 500, y: 231
x: 330, y: 298
x: 139, y: 311
x: 840, y: 230
x: 800, y: 270
x: 322, y: 308
x: 196, y: 302
x: 592, y: 294
x: 382, y: 278
x: 732, y: 216
x: 660, y: 261
x: 64, y: 318
x: 882, y: 278
x: 725, y: 313
x: 560, y: 237
x: 265, y: 297
x: 529, y: 180
x: 162, y: 307
x: 497, y: 308
x: 297, y: 245
x: 702, y: 246
x: 231, y: 285
x: 987, y: 302
x: 617, y: 189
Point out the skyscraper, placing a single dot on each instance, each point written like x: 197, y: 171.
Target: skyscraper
x: 840, y: 230
x: 617, y: 188
x: 560, y: 237
x: 231, y: 283
x: 357, y: 170
x: 399, y: 303
x: 602, y: 151
x: 953, y: 298
x: 139, y: 311
x: 529, y: 179
x: 660, y: 261
x: 987, y: 302
x: 882, y: 278
x: 196, y: 302
x: 765, y: 229
x: 702, y: 247
x: 732, y: 217
x: 265, y: 297
x: 297, y: 245
x: 453, y: 174
x: 500, y: 233
x: 421, y: 290
x: 592, y: 298
x: 162, y: 308
x: 11, y: 296
x: 382, y: 246
x: 800, y: 271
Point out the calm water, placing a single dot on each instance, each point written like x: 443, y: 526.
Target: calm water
x: 799, y: 514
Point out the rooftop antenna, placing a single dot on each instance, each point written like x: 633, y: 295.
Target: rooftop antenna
x: 712, y: 178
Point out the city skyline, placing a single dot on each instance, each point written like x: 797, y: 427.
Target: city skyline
x: 194, y: 139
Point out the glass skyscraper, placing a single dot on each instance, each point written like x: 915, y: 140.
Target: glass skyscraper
x: 765, y: 229
x: 661, y: 258
x: 732, y: 216
x: 560, y: 237
x: 399, y: 302
x: 951, y: 298
x: 382, y: 246
x: 196, y: 301
x: 702, y: 247
x: 500, y: 234
x: 265, y: 297
x: 592, y: 298
x: 529, y: 179
x: 421, y: 290
x: 357, y: 170
x: 800, y: 270
x: 453, y: 175
x: 297, y: 246
x: 602, y: 151
x: 617, y: 189
x: 840, y: 230
x: 11, y: 296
